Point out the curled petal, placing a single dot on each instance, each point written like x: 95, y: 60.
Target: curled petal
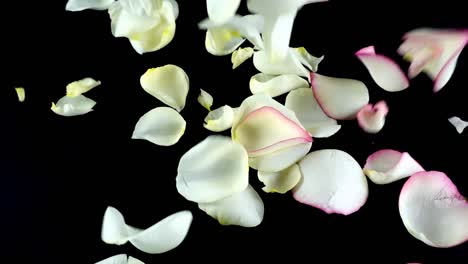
x: 307, y: 59
x: 386, y: 166
x: 339, y: 98
x: 114, y: 229
x: 220, y: 11
x: 244, y: 208
x: 281, y: 181
x: 331, y: 181
x: 219, y: 119
x: 372, y: 118
x: 309, y: 113
x: 290, y: 64
x: 222, y: 41
x: 213, y: 169
x: 385, y: 72
x: 80, y: 5
x: 433, y: 210
x: 459, y: 124
x: 162, y: 126
x: 127, y: 20
x: 73, y: 106
x: 169, y: 84
x: 240, y: 56
x: 275, y: 85
x: 82, y: 86
x: 20, y: 93
x: 205, y: 99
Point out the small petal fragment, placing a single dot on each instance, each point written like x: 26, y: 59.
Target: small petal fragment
x: 80, y: 5
x: 433, y: 210
x: 281, y: 181
x: 220, y: 11
x: 275, y: 85
x: 162, y: 126
x: 459, y: 124
x: 372, y: 118
x: 73, y: 106
x: 385, y: 72
x: 82, y: 86
x: 309, y: 113
x: 205, y: 99
x: 243, y: 208
x: 169, y: 84
x: 339, y: 98
x: 290, y: 64
x: 386, y: 166
x: 212, y: 170
x: 240, y: 56
x: 219, y: 119
x: 21, y: 94
x: 331, y: 181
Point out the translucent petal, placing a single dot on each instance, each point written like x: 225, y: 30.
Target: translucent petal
x: 240, y: 56
x: 82, y: 86
x: 205, y: 99
x: 219, y: 119
x: 73, y: 106
x: 281, y: 181
x: 79, y: 5
x: 459, y: 124
x: 222, y: 41
x: 290, y: 64
x: 307, y: 59
x: 275, y: 85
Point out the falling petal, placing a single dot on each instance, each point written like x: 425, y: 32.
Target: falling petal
x: 244, y: 208
x: 21, y: 94
x: 281, y: 159
x: 281, y: 181
x: 331, y: 181
x: 114, y: 230
x: 372, y: 118
x: 307, y: 59
x: 459, y: 124
x: 386, y: 166
x: 219, y: 119
x: 213, y: 169
x: 205, y: 99
x: 275, y: 85
x: 162, y: 126
x: 290, y: 64
x: 82, y: 86
x: 169, y: 84
x: 339, y: 98
x: 132, y: 260
x: 240, y: 56
x: 309, y: 113
x: 73, y: 106
x: 80, y: 5
x: 385, y: 72
x: 117, y: 259
x: 274, y: 7
x: 222, y: 41
x: 220, y: 11
x: 433, y: 210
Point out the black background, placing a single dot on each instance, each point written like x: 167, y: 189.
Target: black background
x: 59, y: 174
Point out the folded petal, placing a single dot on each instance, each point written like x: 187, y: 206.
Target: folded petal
x: 219, y: 119
x: 220, y: 11
x: 459, y: 124
x: 386, y: 166
x: 79, y: 5
x: 21, y: 93
x: 281, y: 181
x: 307, y: 59
x: 240, y: 56
x: 169, y: 84
x: 222, y: 41
x: 309, y: 113
x: 275, y: 85
x: 205, y: 99
x: 213, y: 169
x: 114, y: 229
x: 280, y: 159
x: 433, y: 210
x: 372, y: 118
x: 244, y: 208
x: 290, y: 64
x: 82, y: 86
x: 385, y: 72
x: 339, y: 98
x: 277, y: 35
x: 162, y: 126
x: 331, y: 181
x: 73, y: 106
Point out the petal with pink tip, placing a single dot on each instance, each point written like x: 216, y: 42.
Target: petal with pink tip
x: 459, y: 124
x: 281, y: 181
x: 385, y: 72
x: 387, y: 165
x: 332, y: 181
x: 339, y: 98
x: 372, y: 118
x: 433, y: 210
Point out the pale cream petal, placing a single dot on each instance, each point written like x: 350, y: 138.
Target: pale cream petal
x: 222, y: 41
x: 281, y: 181
x: 82, y: 86
x: 73, y: 106
x: 311, y: 62
x: 21, y: 93
x: 219, y: 119
x: 220, y: 11
x: 117, y: 259
x: 290, y: 64
x: 240, y: 56
x: 275, y: 85
x: 205, y: 99
x: 281, y: 159
x: 80, y: 5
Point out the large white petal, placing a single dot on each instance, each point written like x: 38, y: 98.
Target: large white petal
x: 281, y: 181
x: 82, y: 86
x: 73, y: 106
x: 240, y: 56
x: 222, y: 41
x: 332, y: 181
x: 169, y: 84
x: 213, y: 169
x: 243, y: 208
x: 309, y: 113
x: 79, y: 5
x: 290, y: 64
x: 433, y: 210
x: 220, y: 11
x: 162, y: 126
x: 277, y: 35
x: 275, y: 85
x: 127, y: 24
x: 219, y: 119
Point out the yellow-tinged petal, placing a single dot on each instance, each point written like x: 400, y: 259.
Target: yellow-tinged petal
x: 281, y: 181
x: 240, y: 56
x: 21, y: 93
x: 205, y: 99
x: 82, y: 86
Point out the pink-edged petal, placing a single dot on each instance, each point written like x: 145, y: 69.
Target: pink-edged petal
x: 433, y: 210
x: 385, y: 72
x: 332, y: 181
x: 372, y: 118
x: 339, y: 98
x: 458, y: 123
x: 387, y: 165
